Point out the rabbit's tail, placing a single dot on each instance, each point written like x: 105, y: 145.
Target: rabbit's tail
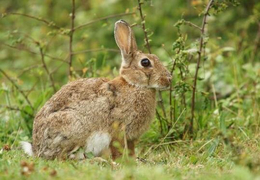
x: 27, y: 147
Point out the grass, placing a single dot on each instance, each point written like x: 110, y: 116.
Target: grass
x: 181, y: 160
x: 227, y: 114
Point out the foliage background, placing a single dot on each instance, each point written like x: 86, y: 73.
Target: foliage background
x: 228, y: 97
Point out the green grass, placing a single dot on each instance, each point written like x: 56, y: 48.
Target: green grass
x: 181, y: 160
x: 226, y: 135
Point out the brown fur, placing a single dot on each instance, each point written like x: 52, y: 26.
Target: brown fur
x: 83, y: 107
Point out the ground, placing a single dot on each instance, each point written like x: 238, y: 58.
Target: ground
x: 181, y: 160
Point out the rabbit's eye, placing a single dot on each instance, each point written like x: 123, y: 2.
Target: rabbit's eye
x: 145, y: 62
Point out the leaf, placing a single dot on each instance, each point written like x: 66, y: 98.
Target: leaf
x: 28, y: 109
x: 222, y: 124
x: 41, y: 99
x: 191, y: 51
x: 193, y: 159
x: 213, y: 147
x: 226, y: 49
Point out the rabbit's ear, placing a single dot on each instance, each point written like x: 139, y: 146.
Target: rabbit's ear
x: 124, y: 37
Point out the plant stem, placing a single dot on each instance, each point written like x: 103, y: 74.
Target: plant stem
x: 204, y: 22
x: 102, y: 18
x: 32, y: 52
x: 192, y: 24
x: 143, y: 26
x: 257, y: 39
x: 71, y: 38
x: 96, y: 50
x: 49, y: 23
x: 17, y: 87
x: 47, y: 70
x: 147, y: 44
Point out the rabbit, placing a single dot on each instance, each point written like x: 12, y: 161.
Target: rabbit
x: 94, y: 113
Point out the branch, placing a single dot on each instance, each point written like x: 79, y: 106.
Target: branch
x: 204, y: 22
x: 171, y: 89
x: 257, y: 39
x: 149, y: 50
x: 101, y: 19
x: 95, y: 50
x: 71, y: 38
x: 28, y: 69
x: 143, y: 26
x: 49, y: 23
x: 162, y: 104
x: 192, y: 24
x: 47, y: 70
x: 160, y: 121
x: 17, y: 87
x: 32, y: 52
x: 16, y: 109
x: 174, y: 62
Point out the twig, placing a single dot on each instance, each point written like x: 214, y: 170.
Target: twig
x: 47, y: 70
x: 160, y: 121
x: 31, y: 89
x: 162, y: 104
x: 170, y: 90
x: 101, y: 19
x: 29, y: 68
x: 56, y: 69
x: 147, y: 44
x: 17, y: 87
x: 204, y: 22
x: 170, y: 99
x: 95, y: 50
x: 215, y: 96
x: 163, y: 139
x: 32, y: 52
x: 16, y: 109
x: 173, y: 61
x: 192, y: 24
x: 71, y: 38
x: 49, y: 23
x: 257, y: 39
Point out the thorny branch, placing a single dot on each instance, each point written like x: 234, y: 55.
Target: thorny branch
x: 16, y: 109
x: 71, y: 38
x: 149, y: 49
x: 101, y: 19
x: 17, y: 87
x: 95, y: 50
x: 49, y: 23
x: 32, y: 52
x: 143, y: 26
x: 257, y: 39
x: 47, y: 70
x: 192, y: 24
x: 201, y: 44
x: 28, y: 69
x: 171, y: 88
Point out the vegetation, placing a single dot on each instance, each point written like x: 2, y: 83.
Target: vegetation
x: 207, y: 124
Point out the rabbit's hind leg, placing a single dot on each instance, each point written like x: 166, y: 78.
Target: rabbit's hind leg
x: 62, y: 135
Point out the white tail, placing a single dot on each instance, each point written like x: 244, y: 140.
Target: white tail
x: 27, y: 147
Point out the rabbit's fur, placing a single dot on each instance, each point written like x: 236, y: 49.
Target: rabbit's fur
x: 94, y: 113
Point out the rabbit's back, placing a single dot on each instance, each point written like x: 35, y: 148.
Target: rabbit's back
x: 70, y: 116
x: 75, y: 91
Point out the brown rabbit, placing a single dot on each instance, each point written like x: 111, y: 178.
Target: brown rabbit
x: 94, y: 113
